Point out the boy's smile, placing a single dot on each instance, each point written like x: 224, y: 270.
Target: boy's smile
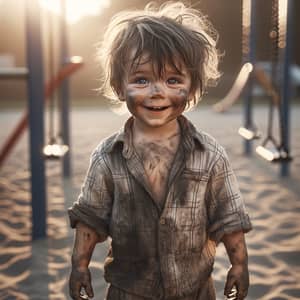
x: 156, y: 101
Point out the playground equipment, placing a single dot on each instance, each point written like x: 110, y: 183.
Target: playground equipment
x: 34, y: 117
x: 55, y: 148
x: 13, y: 73
x: 250, y: 130
x: 276, y: 87
x: 236, y: 89
x: 74, y: 64
x: 271, y: 149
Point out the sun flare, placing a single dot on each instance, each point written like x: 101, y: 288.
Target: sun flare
x: 76, y: 9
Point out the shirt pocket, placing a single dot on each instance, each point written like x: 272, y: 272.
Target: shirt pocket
x: 189, y: 193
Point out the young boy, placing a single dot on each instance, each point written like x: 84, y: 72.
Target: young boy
x: 161, y: 190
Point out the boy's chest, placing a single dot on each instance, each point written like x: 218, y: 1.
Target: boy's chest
x: 157, y: 159
x: 177, y: 183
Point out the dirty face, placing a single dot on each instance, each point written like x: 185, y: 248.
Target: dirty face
x: 156, y: 100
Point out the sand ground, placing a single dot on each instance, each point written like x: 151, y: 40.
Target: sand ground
x: 39, y: 270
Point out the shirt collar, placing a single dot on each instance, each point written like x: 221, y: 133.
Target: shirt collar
x: 189, y: 135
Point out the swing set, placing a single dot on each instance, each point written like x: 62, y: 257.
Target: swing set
x: 276, y: 85
x: 57, y: 146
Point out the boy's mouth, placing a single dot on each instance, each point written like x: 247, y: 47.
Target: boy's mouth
x: 157, y: 108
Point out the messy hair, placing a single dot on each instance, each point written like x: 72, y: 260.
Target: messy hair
x: 172, y: 34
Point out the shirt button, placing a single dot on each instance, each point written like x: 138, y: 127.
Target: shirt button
x: 162, y: 221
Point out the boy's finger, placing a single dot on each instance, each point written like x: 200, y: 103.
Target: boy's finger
x: 74, y: 288
x: 89, y: 290
x: 75, y: 292
x: 75, y: 296
x: 83, y: 294
x: 241, y: 294
x: 228, y: 287
x: 242, y: 291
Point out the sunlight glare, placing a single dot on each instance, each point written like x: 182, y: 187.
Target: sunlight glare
x: 76, y: 9
x: 282, y: 14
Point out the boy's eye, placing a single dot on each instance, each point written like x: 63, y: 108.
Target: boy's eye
x: 173, y: 80
x: 141, y: 80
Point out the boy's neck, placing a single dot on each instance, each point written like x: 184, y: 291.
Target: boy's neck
x: 156, y: 133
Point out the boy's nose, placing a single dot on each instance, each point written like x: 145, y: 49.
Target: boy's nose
x: 157, y: 90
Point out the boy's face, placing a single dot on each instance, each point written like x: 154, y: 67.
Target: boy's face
x: 156, y: 100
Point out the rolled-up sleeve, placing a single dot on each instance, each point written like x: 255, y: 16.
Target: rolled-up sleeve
x: 226, y: 209
x: 94, y: 203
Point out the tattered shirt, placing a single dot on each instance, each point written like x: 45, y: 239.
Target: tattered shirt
x: 161, y: 252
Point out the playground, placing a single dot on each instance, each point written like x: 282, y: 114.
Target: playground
x: 35, y: 238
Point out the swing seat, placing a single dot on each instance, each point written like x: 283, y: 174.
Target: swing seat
x: 55, y: 151
x: 273, y: 154
x: 249, y: 134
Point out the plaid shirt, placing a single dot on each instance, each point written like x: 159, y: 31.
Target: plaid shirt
x: 156, y: 252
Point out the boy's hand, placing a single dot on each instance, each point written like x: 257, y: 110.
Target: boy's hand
x: 238, y: 277
x: 80, y: 278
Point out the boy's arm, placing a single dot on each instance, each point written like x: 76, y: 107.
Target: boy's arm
x: 238, y: 275
x: 85, y: 240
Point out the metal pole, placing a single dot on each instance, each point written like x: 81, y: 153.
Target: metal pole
x: 36, y: 118
x: 64, y: 94
x: 285, y: 87
x: 249, y: 46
